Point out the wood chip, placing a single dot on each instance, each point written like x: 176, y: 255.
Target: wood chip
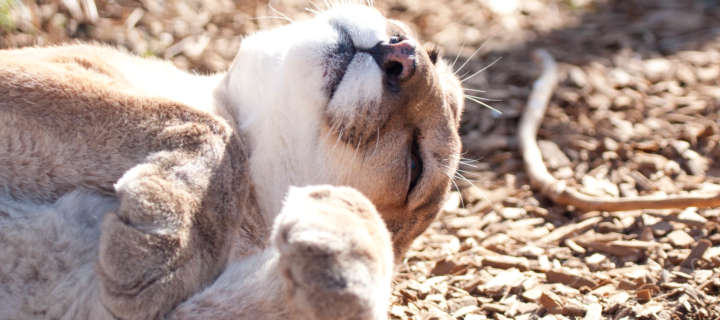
x: 566, y: 278
x: 574, y: 246
x: 504, y: 279
x: 616, y: 301
x: 507, y: 262
x: 494, y: 307
x: 444, y: 267
x: 644, y: 296
x: 669, y: 217
x: 550, y: 300
x: 565, y: 231
x: 604, y: 290
x: 606, y: 248
x: 637, y: 244
x: 679, y: 238
x: 574, y: 310
x: 696, y: 254
x: 552, y: 154
x: 464, y: 310
x: 594, y: 312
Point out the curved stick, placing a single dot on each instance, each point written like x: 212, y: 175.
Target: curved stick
x: 557, y: 190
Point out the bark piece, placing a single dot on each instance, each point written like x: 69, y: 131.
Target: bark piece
x: 507, y: 262
x: 616, y: 301
x: 594, y: 312
x: 504, y: 279
x: 574, y: 246
x: 574, y: 310
x: 644, y: 295
x: 679, y: 238
x: 463, y: 311
x: 550, y: 300
x: 568, y: 279
x: 606, y: 248
x: 669, y: 217
x: 565, y: 231
x: 651, y: 161
x: 697, y: 252
x: 552, y: 154
x: 635, y: 244
x: 494, y: 307
x: 627, y: 285
x: 444, y: 267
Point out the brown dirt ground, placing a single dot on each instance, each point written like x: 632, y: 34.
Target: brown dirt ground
x: 636, y: 113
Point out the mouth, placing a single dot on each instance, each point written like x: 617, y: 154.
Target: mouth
x: 338, y: 58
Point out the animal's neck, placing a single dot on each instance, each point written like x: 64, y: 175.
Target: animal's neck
x: 283, y: 150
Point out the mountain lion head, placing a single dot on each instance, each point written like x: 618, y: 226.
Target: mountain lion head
x: 349, y: 98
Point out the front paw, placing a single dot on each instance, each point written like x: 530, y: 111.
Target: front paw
x: 335, y: 252
x: 147, y: 250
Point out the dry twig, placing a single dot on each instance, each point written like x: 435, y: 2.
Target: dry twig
x: 557, y: 190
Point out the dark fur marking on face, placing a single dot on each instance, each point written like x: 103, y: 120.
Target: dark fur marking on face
x: 338, y: 57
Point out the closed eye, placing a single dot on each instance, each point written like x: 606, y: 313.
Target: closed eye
x: 416, y: 166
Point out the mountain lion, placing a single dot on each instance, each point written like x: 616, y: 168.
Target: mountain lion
x: 284, y: 188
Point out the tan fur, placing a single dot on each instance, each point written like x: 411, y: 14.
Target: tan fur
x: 73, y: 118
x: 69, y: 123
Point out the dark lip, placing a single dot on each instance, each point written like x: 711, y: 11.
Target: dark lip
x: 339, y: 56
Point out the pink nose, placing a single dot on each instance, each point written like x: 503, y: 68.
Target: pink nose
x: 396, y: 58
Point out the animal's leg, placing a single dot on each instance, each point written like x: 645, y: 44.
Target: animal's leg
x: 335, y: 254
x: 331, y: 259
x: 171, y: 233
x: 69, y: 120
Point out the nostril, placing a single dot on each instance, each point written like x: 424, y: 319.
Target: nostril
x: 394, y: 69
x: 396, y: 58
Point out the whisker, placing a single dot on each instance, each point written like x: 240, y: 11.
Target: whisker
x: 278, y: 12
x: 377, y: 141
x: 481, y: 98
x: 464, y: 74
x: 473, y: 180
x: 465, y: 171
x: 470, y: 165
x: 342, y: 171
x: 316, y: 6
x: 466, y: 89
x: 471, y: 56
x: 332, y: 129
x: 362, y: 165
x: 475, y: 160
x: 483, y: 103
x: 458, y: 55
x: 338, y: 139
x: 272, y: 17
x: 481, y: 70
x: 458, y: 189
x: 351, y: 162
x: 480, y: 191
